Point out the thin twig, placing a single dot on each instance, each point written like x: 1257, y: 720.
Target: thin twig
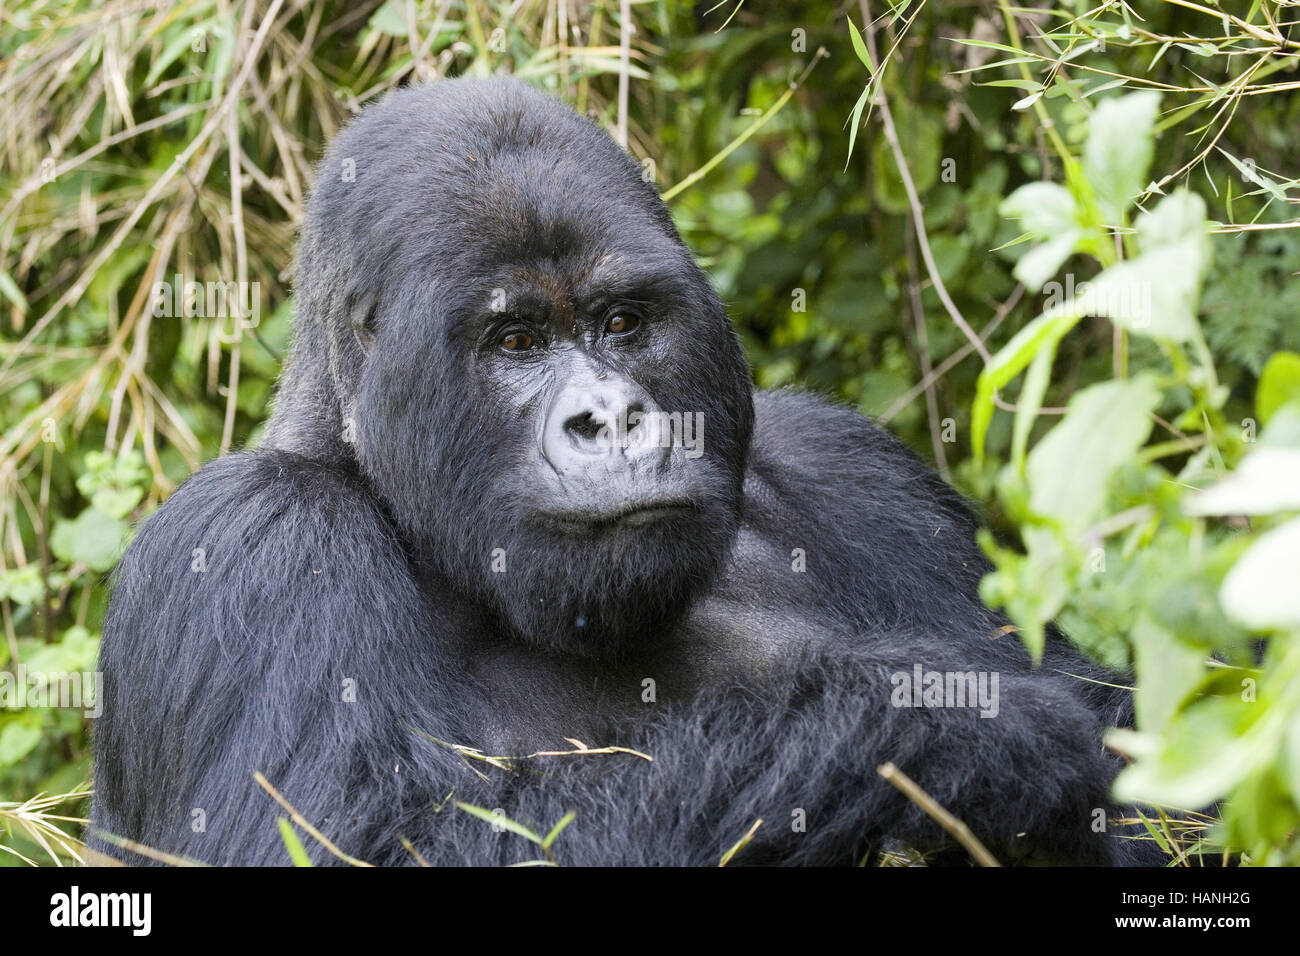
x: 958, y: 830
x: 299, y: 819
x: 913, y: 200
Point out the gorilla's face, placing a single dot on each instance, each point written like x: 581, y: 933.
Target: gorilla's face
x: 550, y: 396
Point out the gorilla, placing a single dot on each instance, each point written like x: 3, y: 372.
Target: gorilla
x: 522, y: 537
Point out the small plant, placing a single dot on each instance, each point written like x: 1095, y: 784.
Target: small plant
x: 1186, y: 547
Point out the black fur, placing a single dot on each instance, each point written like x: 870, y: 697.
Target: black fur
x: 326, y: 609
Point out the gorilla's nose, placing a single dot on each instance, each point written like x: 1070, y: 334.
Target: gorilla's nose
x: 610, y: 420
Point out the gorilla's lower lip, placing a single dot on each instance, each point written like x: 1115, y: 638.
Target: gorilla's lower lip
x: 631, y: 516
x: 645, y: 514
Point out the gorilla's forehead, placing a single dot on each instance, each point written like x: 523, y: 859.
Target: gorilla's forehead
x: 466, y: 184
x: 496, y: 162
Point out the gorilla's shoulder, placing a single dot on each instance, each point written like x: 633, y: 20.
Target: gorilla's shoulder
x: 267, y: 513
x: 801, y: 427
x: 813, y: 447
x: 235, y: 486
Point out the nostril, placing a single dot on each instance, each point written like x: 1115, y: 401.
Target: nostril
x: 584, y: 425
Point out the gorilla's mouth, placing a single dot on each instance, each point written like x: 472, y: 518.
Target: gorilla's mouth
x: 644, y: 514
x: 633, y: 515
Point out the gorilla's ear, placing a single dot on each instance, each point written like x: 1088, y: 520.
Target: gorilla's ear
x: 361, y: 317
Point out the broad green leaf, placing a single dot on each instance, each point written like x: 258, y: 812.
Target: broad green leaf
x: 1267, y: 481
x: 1118, y: 151
x: 1033, y: 587
x: 1261, y: 592
x: 1167, y: 669
x: 1157, y: 293
x: 22, y: 585
x: 75, y: 651
x: 18, y: 738
x: 1279, y: 384
x: 93, y: 538
x: 117, y: 502
x: 1043, y: 261
x: 390, y: 19
x: 1178, y: 217
x: 1069, y: 470
x: 1153, y: 295
x: 1045, y: 210
x: 1206, y: 751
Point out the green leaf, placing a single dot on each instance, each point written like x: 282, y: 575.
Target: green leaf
x: 1118, y: 151
x: 1157, y: 294
x: 9, y: 289
x: 1267, y: 481
x: 1260, y: 591
x: 93, y: 539
x: 1150, y: 295
x: 1029, y: 401
x: 1027, y: 101
x: 1033, y: 587
x: 75, y: 651
x: 855, y: 119
x: 117, y: 502
x: 1042, y: 262
x: 1279, y: 383
x: 1205, y: 752
x: 1177, y: 218
x: 1045, y: 210
x: 18, y: 739
x: 1070, y: 469
x: 297, y: 852
x: 1253, y: 175
x: 860, y: 48
x: 501, y: 820
x: 558, y: 829
x: 182, y: 41
x: 390, y: 19
x: 1043, y: 332
x: 1168, y: 670
x: 23, y: 584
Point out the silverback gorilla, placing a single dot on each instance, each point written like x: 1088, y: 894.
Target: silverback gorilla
x: 519, y: 495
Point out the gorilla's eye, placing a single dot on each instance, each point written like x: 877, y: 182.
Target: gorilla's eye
x: 516, y: 342
x: 621, y: 324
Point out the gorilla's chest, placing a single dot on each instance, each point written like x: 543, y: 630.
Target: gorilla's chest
x: 534, y: 700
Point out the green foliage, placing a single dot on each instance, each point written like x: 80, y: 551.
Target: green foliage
x: 1213, y: 723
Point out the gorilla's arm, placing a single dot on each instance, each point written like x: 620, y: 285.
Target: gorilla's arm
x: 801, y: 754
x: 265, y: 620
